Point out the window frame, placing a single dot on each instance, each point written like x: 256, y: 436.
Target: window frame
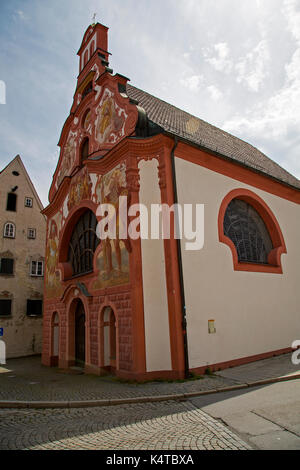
x: 28, y: 198
x: 11, y: 193
x: 274, y: 258
x: 34, y: 314
x: 13, y: 265
x: 78, y: 250
x: 14, y: 230
x: 6, y: 315
x: 35, y: 273
x: 34, y: 231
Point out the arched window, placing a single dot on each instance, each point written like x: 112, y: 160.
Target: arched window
x: 247, y: 230
x: 83, y: 244
x: 9, y: 230
x: 251, y: 231
x: 84, y: 153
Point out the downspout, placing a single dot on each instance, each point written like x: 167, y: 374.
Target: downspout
x: 183, y: 306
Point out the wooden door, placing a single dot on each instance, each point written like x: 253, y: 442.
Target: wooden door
x: 80, y: 335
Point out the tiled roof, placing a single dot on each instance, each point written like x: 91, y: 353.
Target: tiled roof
x: 199, y: 132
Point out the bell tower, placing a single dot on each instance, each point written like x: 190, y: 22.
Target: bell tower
x: 94, y: 42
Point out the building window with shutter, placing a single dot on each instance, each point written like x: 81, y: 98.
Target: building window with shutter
x: 5, y: 307
x: 34, y: 308
x: 11, y: 204
x: 6, y: 266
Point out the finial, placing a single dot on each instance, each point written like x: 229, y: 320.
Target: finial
x: 94, y: 18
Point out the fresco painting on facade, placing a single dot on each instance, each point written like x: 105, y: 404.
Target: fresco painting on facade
x: 53, y: 281
x: 113, y: 259
x: 110, y: 120
x: 87, y: 122
x: 69, y: 154
x: 80, y: 188
x: 113, y: 264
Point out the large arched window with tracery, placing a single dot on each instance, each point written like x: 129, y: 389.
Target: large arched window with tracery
x: 247, y: 230
x: 83, y: 244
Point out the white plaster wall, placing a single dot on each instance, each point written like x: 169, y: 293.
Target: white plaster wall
x: 157, y: 335
x: 253, y: 312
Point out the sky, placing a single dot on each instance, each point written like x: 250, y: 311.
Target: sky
x: 233, y: 63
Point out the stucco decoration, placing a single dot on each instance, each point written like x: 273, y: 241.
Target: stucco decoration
x: 95, y: 68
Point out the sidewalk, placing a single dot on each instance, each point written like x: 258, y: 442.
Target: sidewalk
x: 26, y: 383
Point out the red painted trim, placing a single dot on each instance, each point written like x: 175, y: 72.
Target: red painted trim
x: 148, y: 376
x: 272, y: 225
x: 171, y: 266
x: 237, y: 172
x: 238, y: 362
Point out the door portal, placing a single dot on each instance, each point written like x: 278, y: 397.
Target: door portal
x: 80, y: 335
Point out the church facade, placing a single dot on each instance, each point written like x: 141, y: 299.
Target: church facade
x: 147, y: 307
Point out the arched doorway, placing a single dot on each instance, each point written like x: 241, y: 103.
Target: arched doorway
x: 79, y: 334
x: 109, y: 340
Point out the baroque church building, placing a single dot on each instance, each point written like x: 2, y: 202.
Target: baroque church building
x: 148, y: 308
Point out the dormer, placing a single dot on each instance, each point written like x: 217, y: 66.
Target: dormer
x: 94, y: 39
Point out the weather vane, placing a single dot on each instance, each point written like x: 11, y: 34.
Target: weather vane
x: 94, y: 17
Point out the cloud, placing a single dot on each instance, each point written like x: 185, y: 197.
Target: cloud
x: 293, y: 17
x: 220, y: 61
x: 21, y: 15
x: 198, y: 57
x: 252, y: 69
x: 214, y: 92
x: 192, y: 83
x: 275, y: 121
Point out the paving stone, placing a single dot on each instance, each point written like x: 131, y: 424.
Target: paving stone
x: 149, y: 426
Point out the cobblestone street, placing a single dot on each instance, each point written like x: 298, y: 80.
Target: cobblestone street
x: 170, y: 424
x: 26, y: 379
x: 150, y: 426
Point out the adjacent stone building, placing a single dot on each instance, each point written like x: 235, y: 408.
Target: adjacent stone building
x: 22, y: 254
x: 145, y: 308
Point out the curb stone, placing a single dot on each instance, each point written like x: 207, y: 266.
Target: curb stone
x: 126, y: 401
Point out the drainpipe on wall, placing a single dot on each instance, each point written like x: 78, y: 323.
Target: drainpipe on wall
x: 183, y: 306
